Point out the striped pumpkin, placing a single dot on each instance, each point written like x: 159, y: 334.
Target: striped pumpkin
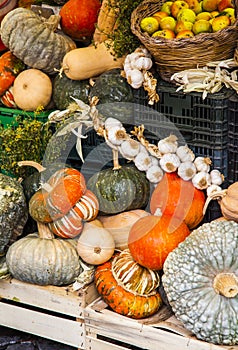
x: 71, y: 225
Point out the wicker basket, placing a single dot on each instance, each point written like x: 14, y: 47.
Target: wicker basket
x: 175, y: 55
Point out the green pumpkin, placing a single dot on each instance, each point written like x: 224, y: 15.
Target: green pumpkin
x: 13, y: 211
x: 120, y: 189
x: 64, y: 88
x: 201, y: 282
x: 115, y: 96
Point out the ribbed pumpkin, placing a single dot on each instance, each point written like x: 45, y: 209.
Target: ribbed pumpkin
x: 201, y: 282
x: 13, y: 211
x: 152, y: 238
x: 121, y: 189
x: 122, y: 301
x: 34, y: 39
x: 41, y: 259
x: 65, y: 88
x: 10, y: 67
x: 174, y: 196
x: 58, y: 195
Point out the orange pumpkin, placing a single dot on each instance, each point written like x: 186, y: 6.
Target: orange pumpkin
x: 120, y: 300
x: 10, y: 67
x: 58, y: 195
x: 152, y: 238
x: 175, y: 196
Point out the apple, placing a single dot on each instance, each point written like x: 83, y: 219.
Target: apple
x: 220, y: 22
x: 159, y: 15
x: 194, y: 5
x: 210, y: 5
x: 223, y: 4
x: 204, y: 15
x: 201, y: 26
x: 168, y: 23
x: 185, y: 34
x: 180, y: 26
x: 165, y: 33
x: 166, y: 7
x: 186, y: 15
x: 149, y: 25
x: 177, y: 6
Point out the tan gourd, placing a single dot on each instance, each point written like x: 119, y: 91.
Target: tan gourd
x: 88, y: 62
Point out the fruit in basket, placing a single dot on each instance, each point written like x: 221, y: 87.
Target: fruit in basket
x: 122, y: 301
x: 78, y: 64
x: 202, y: 26
x: 152, y: 238
x: 120, y: 189
x: 223, y: 4
x: 95, y: 244
x: 204, y: 15
x: 177, y: 6
x: 168, y: 23
x: 58, y: 195
x: 78, y: 19
x: 34, y: 39
x: 159, y: 15
x: 210, y: 5
x: 10, y: 67
x: 195, y: 5
x: 41, y: 259
x: 186, y: 15
x: 13, y: 211
x: 166, y: 7
x: 220, y: 22
x: 185, y: 34
x: 181, y: 25
x: 201, y: 284
x: 166, y: 34
x: 177, y: 197
x: 32, y: 89
x: 149, y: 25
x: 64, y: 89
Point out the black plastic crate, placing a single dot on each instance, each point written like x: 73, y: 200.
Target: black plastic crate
x: 233, y: 140
x: 201, y: 123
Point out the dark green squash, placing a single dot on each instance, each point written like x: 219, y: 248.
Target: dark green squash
x: 115, y: 96
x: 120, y: 189
x: 13, y: 211
x: 64, y: 88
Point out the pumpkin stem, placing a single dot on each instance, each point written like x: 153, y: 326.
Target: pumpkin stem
x: 35, y: 165
x: 44, y: 231
x: 116, y: 164
x: 226, y: 284
x: 52, y: 22
x: 215, y: 195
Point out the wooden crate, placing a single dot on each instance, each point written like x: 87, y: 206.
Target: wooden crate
x: 55, y: 313
x: 107, y: 330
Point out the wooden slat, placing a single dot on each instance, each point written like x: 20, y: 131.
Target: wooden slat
x: 41, y: 324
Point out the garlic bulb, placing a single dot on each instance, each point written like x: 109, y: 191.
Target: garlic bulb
x: 201, y: 180
x: 169, y: 162
x: 185, y: 154
x: 143, y: 50
x: 187, y: 170
x: 109, y: 122
x: 143, y: 161
x: 217, y: 177
x: 168, y: 144
x: 129, y: 148
x: 155, y: 161
x: 154, y: 174
x: 116, y: 134
x: 202, y: 163
x: 142, y: 63
x: 135, y: 78
x: 212, y: 189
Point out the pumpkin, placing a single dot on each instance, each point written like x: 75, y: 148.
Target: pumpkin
x: 151, y: 238
x: 71, y: 224
x: 78, y: 19
x: 13, y: 211
x: 91, y: 61
x: 64, y: 89
x: 121, y: 300
x: 58, y: 195
x: 175, y: 196
x: 201, y: 282
x: 39, y: 258
x: 7, y: 99
x: 34, y: 39
x: 95, y: 244
x: 120, y: 224
x: 32, y: 88
x: 120, y: 189
x: 112, y: 89
x: 10, y: 67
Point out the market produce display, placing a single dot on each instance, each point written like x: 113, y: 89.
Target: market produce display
x: 138, y: 223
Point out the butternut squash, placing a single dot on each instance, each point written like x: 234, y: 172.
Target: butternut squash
x: 91, y: 61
